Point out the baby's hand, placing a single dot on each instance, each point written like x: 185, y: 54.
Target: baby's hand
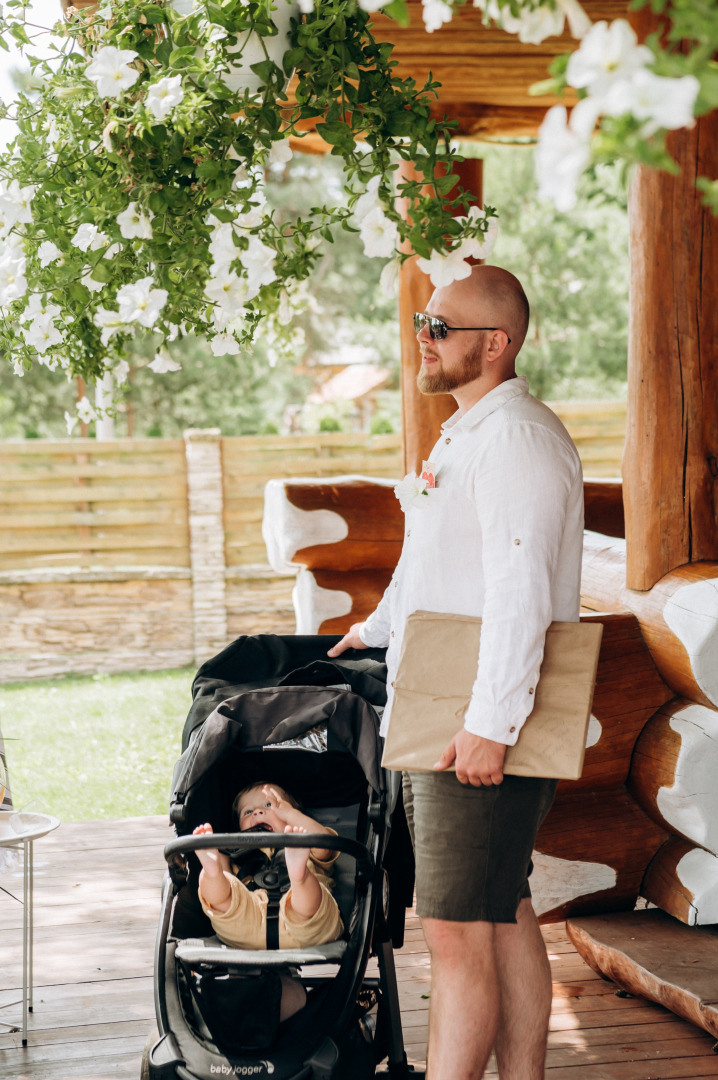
x: 213, y: 862
x: 284, y: 810
x: 296, y: 857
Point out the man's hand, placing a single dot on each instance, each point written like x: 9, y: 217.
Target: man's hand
x: 351, y: 640
x: 477, y: 761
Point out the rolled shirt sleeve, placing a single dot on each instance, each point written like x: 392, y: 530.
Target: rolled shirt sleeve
x: 521, y: 487
x: 376, y: 631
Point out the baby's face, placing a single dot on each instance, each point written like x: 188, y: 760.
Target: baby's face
x: 257, y: 810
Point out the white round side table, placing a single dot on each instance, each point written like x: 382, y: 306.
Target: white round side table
x: 22, y: 828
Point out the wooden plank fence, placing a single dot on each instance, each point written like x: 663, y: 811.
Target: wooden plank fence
x: 149, y: 552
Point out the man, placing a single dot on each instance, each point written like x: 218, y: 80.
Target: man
x: 499, y: 537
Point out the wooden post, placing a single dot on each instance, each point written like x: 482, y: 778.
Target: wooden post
x: 206, y: 530
x: 671, y: 458
x: 422, y: 415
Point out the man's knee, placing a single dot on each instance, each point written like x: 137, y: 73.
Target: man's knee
x: 458, y: 941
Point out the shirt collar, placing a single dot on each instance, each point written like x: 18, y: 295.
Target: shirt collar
x: 495, y: 399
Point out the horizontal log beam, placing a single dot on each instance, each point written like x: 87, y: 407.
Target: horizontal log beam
x: 674, y: 770
x: 678, y: 616
x: 682, y: 880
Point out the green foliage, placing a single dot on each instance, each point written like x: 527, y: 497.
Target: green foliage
x: 574, y: 268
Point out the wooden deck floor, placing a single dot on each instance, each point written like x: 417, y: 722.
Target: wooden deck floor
x: 96, y: 903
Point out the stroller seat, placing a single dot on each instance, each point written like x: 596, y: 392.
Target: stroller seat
x: 211, y: 950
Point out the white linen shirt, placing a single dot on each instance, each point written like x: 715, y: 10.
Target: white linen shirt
x: 500, y: 537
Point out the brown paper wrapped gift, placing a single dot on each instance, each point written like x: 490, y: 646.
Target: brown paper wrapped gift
x: 435, y: 677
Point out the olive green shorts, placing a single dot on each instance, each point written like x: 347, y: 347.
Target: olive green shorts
x: 473, y: 845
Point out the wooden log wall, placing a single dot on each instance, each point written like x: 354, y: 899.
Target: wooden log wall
x: 651, y: 758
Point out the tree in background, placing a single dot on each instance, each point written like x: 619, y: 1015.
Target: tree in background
x: 574, y: 267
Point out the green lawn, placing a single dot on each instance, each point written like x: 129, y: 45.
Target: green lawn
x: 98, y: 746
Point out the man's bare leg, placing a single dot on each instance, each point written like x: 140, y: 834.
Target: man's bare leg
x: 490, y: 987
x: 464, y: 1009
x: 524, y: 976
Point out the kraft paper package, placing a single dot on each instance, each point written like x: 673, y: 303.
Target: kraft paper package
x: 430, y: 699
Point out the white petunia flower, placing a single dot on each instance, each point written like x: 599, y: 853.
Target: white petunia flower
x: 106, y: 138
x: 163, y: 362
x: 607, y: 55
x: 89, y: 238
x: 48, y: 252
x: 36, y: 309
x: 15, y: 202
x: 139, y: 302
x: 42, y: 335
x: 134, y: 223
x: 111, y: 72
x: 436, y: 13
x: 109, y: 322
x: 258, y: 261
x: 164, y: 95
x: 369, y: 200
x: 372, y: 5
x: 306, y: 6
x: 660, y: 102
x: 445, y: 268
x: 379, y: 234
x: 222, y: 247
x: 70, y: 422
x: 280, y: 152
x: 113, y: 249
x: 563, y: 152
x: 412, y: 491
x: 228, y: 290
x: 120, y: 372
x: 13, y: 283
x: 533, y: 26
x: 225, y: 344
x: 389, y: 280
x: 481, y: 246
x: 86, y: 410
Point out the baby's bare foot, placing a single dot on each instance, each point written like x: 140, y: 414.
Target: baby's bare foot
x: 296, y: 857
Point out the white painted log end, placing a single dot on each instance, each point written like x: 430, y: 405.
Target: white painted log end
x: 313, y: 604
x: 555, y: 882
x: 595, y: 730
x: 690, y: 804
x: 286, y: 529
x: 697, y: 872
x: 692, y: 615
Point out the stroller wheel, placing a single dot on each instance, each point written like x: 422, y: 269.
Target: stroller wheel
x: 149, y: 1043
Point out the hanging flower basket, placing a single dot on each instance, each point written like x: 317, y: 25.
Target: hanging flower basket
x: 131, y: 199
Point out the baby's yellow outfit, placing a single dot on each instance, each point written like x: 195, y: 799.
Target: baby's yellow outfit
x: 244, y: 924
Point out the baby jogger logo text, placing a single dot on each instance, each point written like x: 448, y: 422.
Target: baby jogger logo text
x: 243, y: 1070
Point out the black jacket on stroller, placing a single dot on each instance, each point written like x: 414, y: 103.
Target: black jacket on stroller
x: 274, y: 708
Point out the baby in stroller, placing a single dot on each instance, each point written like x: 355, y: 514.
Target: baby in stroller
x: 308, y: 913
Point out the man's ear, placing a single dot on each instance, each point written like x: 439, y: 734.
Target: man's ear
x: 498, y: 344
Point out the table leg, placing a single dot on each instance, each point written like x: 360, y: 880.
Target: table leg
x: 31, y: 924
x: 25, y: 936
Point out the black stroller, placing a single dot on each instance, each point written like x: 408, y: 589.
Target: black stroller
x: 275, y: 708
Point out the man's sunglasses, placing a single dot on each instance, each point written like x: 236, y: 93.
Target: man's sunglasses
x: 438, y: 329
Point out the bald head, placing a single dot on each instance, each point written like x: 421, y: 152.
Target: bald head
x: 491, y: 296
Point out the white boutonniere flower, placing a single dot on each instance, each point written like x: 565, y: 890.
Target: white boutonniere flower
x: 413, y: 490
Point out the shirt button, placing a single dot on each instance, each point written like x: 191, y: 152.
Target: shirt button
x: 392, y: 682
x: 447, y: 441
x: 396, y: 584
x: 392, y: 634
x: 408, y: 532
x: 531, y: 689
x: 510, y: 729
x: 517, y: 541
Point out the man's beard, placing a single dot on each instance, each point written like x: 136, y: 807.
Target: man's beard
x: 443, y: 382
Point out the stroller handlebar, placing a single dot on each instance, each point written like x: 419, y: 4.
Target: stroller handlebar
x: 235, y: 841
